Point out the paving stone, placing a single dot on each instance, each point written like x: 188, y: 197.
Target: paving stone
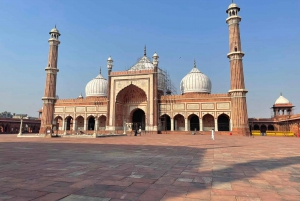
x: 184, y: 179
x: 52, y: 196
x: 83, y: 198
x: 222, y: 185
x: 25, y: 193
x: 5, y: 197
x: 247, y: 199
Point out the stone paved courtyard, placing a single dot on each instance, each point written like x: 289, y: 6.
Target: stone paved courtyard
x: 150, y: 167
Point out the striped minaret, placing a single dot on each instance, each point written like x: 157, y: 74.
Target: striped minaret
x: 239, y: 116
x: 50, y: 88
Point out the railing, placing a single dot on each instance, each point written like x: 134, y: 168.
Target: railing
x: 274, y: 133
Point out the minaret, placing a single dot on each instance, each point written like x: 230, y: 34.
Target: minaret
x: 239, y: 115
x: 50, y: 88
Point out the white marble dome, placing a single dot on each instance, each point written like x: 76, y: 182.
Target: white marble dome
x: 144, y: 63
x: 282, y: 100
x: 96, y: 87
x: 195, y: 82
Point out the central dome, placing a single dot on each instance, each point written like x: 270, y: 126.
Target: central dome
x: 144, y: 63
x: 195, y: 82
x: 96, y: 87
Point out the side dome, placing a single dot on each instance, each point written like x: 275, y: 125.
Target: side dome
x: 195, y: 82
x: 282, y: 100
x: 96, y: 87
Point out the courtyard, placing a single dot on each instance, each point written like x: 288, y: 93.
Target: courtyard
x: 150, y: 167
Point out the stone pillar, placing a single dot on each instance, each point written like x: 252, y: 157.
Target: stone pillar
x: 172, y: 124
x: 85, y: 124
x: 216, y: 124
x: 21, y: 126
x: 63, y: 125
x: 155, y: 91
x: 186, y: 124
x: 230, y: 124
x: 96, y: 124
x: 239, y: 114
x: 109, y: 68
x: 74, y: 125
x: 200, y: 124
x: 95, y: 127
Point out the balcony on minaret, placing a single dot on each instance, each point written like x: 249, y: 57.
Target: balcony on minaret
x: 54, y: 33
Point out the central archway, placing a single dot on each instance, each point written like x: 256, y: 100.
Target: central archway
x: 128, y: 98
x: 138, y: 119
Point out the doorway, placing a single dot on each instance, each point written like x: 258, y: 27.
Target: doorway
x: 138, y: 119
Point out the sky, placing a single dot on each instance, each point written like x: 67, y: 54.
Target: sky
x: 178, y: 30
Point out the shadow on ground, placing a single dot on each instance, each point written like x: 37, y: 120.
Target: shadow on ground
x: 83, y: 171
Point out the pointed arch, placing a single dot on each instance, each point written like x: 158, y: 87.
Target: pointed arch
x: 102, y: 122
x: 131, y: 94
x: 179, y: 124
x: 194, y: 122
x: 59, y: 122
x: 223, y: 122
x: 165, y: 122
x: 79, y: 123
x: 138, y: 118
x: 69, y: 123
x: 263, y: 128
x: 256, y: 127
x: 91, y: 122
x: 208, y: 122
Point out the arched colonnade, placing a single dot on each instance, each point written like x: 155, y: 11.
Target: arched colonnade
x: 191, y: 123
x: 263, y: 127
x: 80, y: 123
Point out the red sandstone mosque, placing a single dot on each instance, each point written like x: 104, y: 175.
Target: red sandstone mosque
x: 138, y: 96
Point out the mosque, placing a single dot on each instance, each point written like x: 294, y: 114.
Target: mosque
x: 139, y: 97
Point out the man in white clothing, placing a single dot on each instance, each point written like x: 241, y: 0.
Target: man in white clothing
x: 213, y: 134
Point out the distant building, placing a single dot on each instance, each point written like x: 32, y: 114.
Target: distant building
x: 12, y: 125
x: 15, y: 116
x: 282, y: 119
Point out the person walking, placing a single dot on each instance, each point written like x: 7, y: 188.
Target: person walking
x: 212, y: 134
x: 135, y: 130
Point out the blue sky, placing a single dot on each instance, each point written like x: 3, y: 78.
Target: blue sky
x: 178, y: 30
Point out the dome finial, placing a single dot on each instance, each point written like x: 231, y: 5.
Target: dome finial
x: 195, y: 66
x: 280, y: 93
x: 100, y: 70
x: 55, y: 26
x: 145, y: 51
